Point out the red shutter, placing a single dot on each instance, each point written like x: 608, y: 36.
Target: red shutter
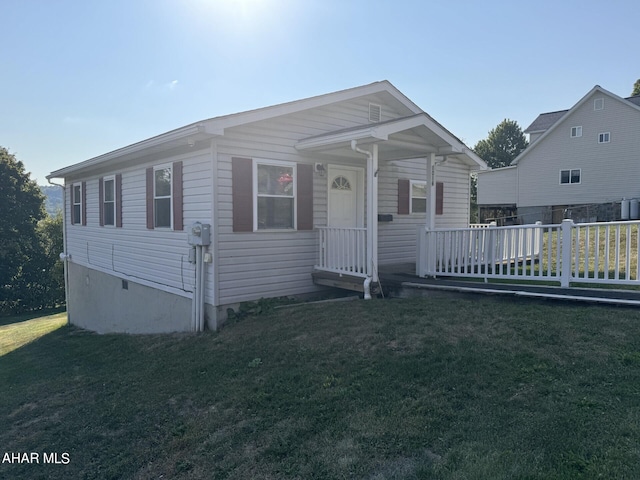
x: 100, y: 200
x: 177, y: 196
x: 242, y: 194
x: 403, y: 196
x: 118, y: 200
x: 439, y: 198
x: 150, y: 222
x: 74, y: 220
x: 305, y: 197
x: 84, y: 203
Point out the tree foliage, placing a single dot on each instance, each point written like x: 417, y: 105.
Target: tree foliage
x: 504, y: 143
x: 636, y: 88
x: 27, y: 241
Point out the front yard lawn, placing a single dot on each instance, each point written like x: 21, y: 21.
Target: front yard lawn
x: 447, y: 388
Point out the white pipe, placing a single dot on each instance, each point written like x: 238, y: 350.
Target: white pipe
x: 195, y: 305
x: 201, y: 292
x: 372, y: 207
x: 367, y: 288
x: 355, y: 148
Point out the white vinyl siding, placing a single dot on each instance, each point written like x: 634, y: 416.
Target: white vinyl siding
x: 497, y: 186
x: 157, y: 258
x: 604, y: 177
x: 397, y: 239
x: 456, y: 181
x: 272, y: 263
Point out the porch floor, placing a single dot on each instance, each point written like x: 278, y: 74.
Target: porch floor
x: 401, y: 280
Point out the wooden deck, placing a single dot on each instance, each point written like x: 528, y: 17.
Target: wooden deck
x: 344, y: 281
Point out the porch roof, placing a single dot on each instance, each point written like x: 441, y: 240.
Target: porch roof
x: 406, y: 137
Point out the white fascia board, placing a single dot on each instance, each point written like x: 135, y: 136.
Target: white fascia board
x: 295, y: 106
x: 172, y: 136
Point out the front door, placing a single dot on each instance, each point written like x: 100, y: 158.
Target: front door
x: 347, y: 239
x: 346, y: 199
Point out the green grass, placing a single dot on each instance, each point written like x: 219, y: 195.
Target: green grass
x: 16, y: 332
x: 444, y: 388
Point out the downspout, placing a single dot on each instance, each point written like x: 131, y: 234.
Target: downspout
x: 372, y: 208
x: 64, y: 256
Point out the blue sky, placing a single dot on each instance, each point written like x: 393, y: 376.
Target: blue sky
x: 82, y: 78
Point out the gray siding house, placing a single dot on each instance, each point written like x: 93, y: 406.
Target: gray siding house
x: 580, y: 164
x: 168, y: 233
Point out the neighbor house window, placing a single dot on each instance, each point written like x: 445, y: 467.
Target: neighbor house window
x: 598, y: 104
x: 418, y: 197
x: 109, y: 201
x: 576, y: 132
x: 274, y: 203
x: 162, y: 188
x: 604, y: 137
x: 570, y: 176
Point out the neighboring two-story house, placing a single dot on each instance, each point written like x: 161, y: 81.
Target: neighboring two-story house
x: 581, y: 163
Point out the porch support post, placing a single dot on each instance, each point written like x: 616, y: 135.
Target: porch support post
x: 372, y: 212
x: 431, y: 191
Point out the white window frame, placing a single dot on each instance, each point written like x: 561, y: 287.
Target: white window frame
x: 571, y: 170
x: 411, y: 196
x: 167, y: 166
x: 111, y: 178
x: 261, y: 161
x: 604, y: 137
x: 76, y: 200
x: 598, y: 104
x: 577, y: 130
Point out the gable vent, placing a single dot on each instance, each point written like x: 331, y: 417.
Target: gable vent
x: 375, y: 112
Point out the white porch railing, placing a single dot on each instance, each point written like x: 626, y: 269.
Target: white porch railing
x: 603, y: 253
x: 343, y: 250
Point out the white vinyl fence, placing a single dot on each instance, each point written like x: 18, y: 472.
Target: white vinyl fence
x: 603, y: 253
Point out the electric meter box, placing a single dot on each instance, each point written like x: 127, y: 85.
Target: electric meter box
x: 200, y: 234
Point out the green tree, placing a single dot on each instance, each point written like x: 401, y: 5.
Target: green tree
x: 51, y: 273
x: 504, y: 143
x: 21, y: 208
x: 636, y: 88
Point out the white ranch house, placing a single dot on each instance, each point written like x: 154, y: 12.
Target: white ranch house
x: 168, y: 233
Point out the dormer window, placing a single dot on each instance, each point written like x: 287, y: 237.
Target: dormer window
x: 576, y: 132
